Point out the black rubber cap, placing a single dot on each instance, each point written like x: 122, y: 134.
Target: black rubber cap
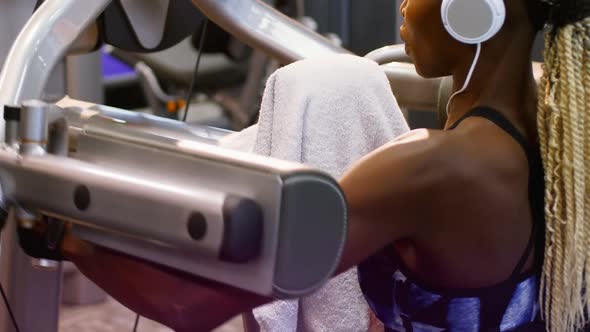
x: 82, y: 198
x: 242, y: 234
x: 11, y: 113
x: 197, y: 226
x: 3, y: 217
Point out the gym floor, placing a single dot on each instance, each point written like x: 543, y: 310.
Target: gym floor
x: 110, y: 316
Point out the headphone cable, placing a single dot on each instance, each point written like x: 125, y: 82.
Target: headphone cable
x: 468, y: 79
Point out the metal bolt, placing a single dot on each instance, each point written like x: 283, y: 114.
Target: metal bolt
x: 33, y: 127
x: 44, y: 264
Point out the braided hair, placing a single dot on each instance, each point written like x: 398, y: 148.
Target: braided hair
x: 563, y: 120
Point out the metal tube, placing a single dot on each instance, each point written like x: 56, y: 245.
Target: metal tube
x: 86, y: 42
x: 11, y: 135
x: 34, y: 293
x: 41, y: 44
x: 79, y: 113
x: 264, y: 28
x: 417, y: 93
x: 48, y: 35
x: 388, y: 54
x: 411, y: 90
x: 33, y: 122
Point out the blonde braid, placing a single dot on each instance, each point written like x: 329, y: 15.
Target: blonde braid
x: 543, y: 120
x: 568, y: 170
x: 567, y: 102
x: 580, y: 148
x: 562, y: 120
x: 552, y: 154
x: 586, y: 100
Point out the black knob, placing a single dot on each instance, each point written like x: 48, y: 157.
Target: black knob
x: 82, y: 198
x: 11, y: 113
x: 3, y: 217
x: 197, y: 226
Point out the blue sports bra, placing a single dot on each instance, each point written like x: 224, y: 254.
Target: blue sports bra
x: 405, y: 304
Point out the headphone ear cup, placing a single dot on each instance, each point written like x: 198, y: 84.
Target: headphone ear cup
x: 473, y: 21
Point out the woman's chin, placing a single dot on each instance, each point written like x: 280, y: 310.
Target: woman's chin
x: 423, y: 73
x: 426, y: 72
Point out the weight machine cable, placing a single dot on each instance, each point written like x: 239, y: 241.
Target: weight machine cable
x: 196, y: 72
x: 188, y: 100
x: 4, y: 217
x: 14, y: 324
x: 136, y: 323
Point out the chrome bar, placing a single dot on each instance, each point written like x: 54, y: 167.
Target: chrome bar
x: 56, y: 27
x: 33, y: 293
x: 263, y: 27
x: 388, y: 54
x: 417, y: 93
x: 411, y: 90
x: 86, y: 42
x: 79, y: 113
x: 41, y: 44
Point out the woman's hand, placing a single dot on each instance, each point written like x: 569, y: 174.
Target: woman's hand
x: 181, y: 302
x: 375, y: 325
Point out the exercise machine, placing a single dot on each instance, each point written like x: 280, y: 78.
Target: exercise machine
x: 216, y: 213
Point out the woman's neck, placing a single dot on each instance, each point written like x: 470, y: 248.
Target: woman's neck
x: 503, y: 79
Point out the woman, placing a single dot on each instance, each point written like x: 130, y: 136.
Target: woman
x: 447, y: 226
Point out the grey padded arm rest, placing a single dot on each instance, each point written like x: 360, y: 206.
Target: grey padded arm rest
x: 125, y: 162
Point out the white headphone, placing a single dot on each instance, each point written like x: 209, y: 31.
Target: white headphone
x: 473, y: 21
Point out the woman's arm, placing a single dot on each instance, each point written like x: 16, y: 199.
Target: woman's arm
x: 390, y: 193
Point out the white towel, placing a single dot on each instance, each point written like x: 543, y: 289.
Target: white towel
x: 327, y: 113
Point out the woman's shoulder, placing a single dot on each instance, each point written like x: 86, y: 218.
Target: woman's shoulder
x: 480, y: 148
x: 477, y: 160
x: 487, y: 169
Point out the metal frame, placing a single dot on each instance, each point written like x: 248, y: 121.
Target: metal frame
x: 389, y: 54
x: 139, y: 193
x: 43, y: 42
x: 34, y: 290
x: 112, y: 188
x: 104, y: 166
x: 261, y: 26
